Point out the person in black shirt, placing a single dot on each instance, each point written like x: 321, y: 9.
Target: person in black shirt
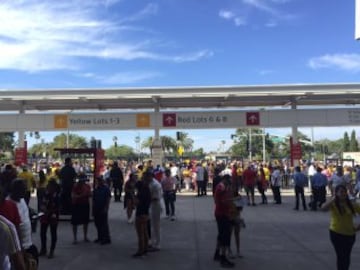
x: 142, y: 202
x: 101, y: 202
x: 117, y: 180
x: 67, y: 177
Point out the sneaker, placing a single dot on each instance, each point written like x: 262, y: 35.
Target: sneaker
x: 153, y: 249
x: 224, y: 262
x: 138, y: 255
x: 231, y: 255
x: 105, y: 242
x: 217, y: 255
x: 96, y: 241
x: 51, y: 255
x: 239, y: 255
x: 172, y: 218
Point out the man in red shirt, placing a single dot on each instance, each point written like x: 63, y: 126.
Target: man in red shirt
x: 9, y: 210
x: 249, y: 177
x: 223, y: 199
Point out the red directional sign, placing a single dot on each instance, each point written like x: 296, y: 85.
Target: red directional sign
x: 296, y: 151
x: 252, y: 118
x: 169, y: 120
x: 20, y: 156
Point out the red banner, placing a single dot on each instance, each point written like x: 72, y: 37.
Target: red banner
x: 296, y: 152
x: 99, y: 161
x: 20, y: 156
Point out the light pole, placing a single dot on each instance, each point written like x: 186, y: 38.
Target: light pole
x: 115, y: 139
x: 137, y: 142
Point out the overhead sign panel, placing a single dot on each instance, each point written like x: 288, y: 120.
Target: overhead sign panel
x: 180, y: 120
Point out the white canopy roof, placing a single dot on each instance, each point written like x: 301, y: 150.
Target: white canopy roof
x: 180, y: 97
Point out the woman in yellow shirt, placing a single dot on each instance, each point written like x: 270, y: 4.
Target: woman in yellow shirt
x: 342, y: 227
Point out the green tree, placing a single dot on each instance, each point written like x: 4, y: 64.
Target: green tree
x: 168, y: 143
x: 346, y: 143
x: 198, y: 153
x: 185, y: 141
x: 354, y: 146
x: 59, y: 141
x: 336, y: 147
x: 242, y: 143
x: 307, y: 148
x: 7, y: 141
x: 122, y: 151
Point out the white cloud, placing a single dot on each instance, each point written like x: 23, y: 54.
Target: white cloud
x: 266, y: 72
x: 121, y: 77
x: 271, y: 24
x: 129, y: 77
x: 226, y: 14
x: 38, y: 35
x: 262, y: 5
x: 230, y: 15
x: 191, y: 57
x: 148, y: 10
x: 239, y: 21
x: 281, y: 1
x: 270, y: 7
x: 348, y: 62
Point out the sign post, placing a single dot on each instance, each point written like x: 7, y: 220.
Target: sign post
x: 295, y: 151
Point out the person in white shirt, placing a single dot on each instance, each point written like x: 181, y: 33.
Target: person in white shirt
x: 200, y: 177
x: 18, y: 189
x: 175, y: 172
x: 155, y: 212
x: 275, y: 184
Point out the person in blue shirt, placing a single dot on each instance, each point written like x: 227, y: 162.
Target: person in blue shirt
x: 300, y: 181
x: 318, y: 185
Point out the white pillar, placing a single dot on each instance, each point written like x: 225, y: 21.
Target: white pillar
x: 250, y: 145
x: 157, y: 151
x: 294, y: 131
x: 264, y: 148
x: 21, y: 132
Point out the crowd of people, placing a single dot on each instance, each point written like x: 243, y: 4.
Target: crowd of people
x: 146, y: 189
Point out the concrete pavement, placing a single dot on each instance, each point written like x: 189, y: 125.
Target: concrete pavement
x: 276, y: 237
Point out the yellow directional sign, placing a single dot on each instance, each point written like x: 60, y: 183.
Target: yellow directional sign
x: 60, y: 121
x: 180, y: 150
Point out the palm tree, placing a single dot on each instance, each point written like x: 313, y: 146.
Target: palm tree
x: 168, y: 143
x: 185, y: 141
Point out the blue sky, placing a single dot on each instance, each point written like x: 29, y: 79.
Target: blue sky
x: 122, y: 43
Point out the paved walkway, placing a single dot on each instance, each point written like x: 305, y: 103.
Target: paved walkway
x: 276, y: 237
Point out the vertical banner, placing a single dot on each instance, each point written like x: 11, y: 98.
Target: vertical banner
x: 20, y: 156
x: 99, y: 161
x: 357, y: 19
